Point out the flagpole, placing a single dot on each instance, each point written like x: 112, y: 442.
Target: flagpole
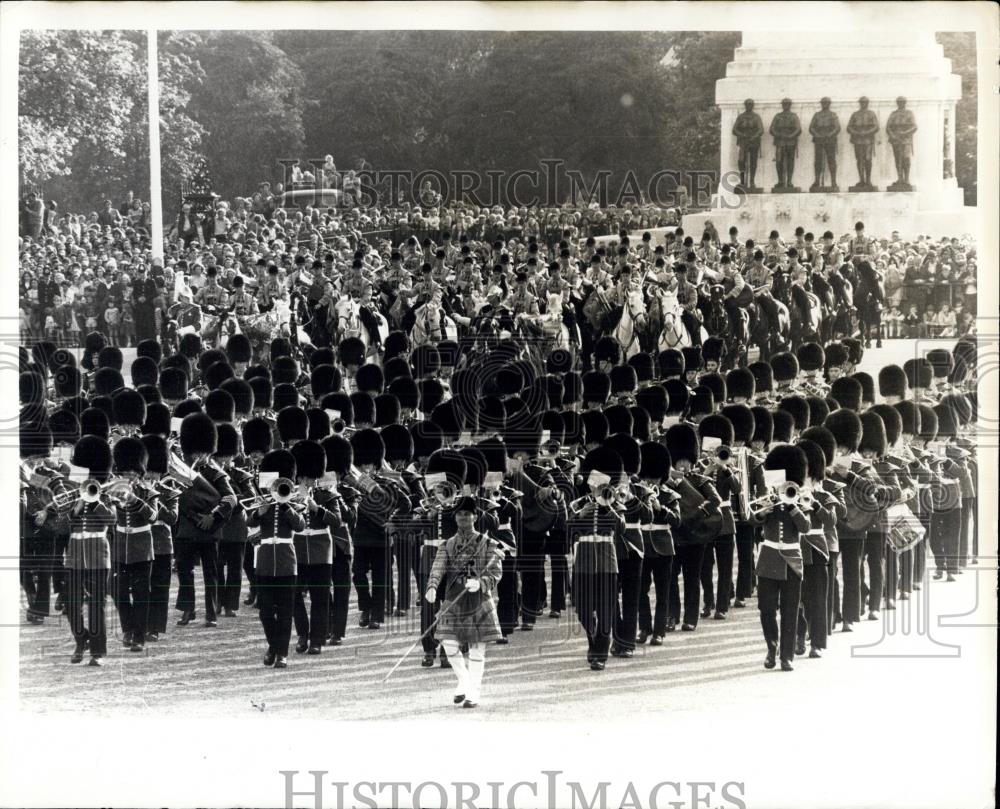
x: 155, y: 200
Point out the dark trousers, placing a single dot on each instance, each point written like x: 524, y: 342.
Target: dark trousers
x: 944, y: 540
x: 875, y: 543
x: 655, y: 571
x: 813, y: 613
x: 920, y: 555
x: 130, y: 590
x: 627, y: 603
x: 964, y: 532
x: 230, y: 573
x: 850, y: 558
x: 340, y: 575
x: 745, y: 575
x: 94, y: 630
x: 407, y: 554
x: 594, y: 600
x: 774, y: 595
x: 974, y: 527
x: 248, y: 568
x: 507, y: 596
x: 37, y: 565
x: 556, y: 550
x: 832, y: 592
x: 315, y: 580
x: 276, y: 599
x: 159, y: 592
x: 898, y: 573
x: 429, y: 609
x: 531, y: 563
x: 374, y: 560
x: 687, y: 564
x: 188, y: 552
x: 719, y: 552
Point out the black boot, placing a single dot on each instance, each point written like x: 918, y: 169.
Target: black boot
x: 772, y: 652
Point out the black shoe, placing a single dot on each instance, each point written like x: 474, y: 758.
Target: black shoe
x: 315, y: 650
x: 555, y: 613
x: 137, y: 646
x: 814, y: 653
x: 363, y: 620
x: 846, y: 627
x: 719, y: 616
x: 772, y: 651
x: 229, y: 613
x: 656, y: 640
x: 301, y: 646
x: 527, y: 627
x: 800, y: 647
x: 428, y: 661
x: 127, y: 639
x: 950, y: 578
x: 269, y: 659
x: 671, y: 625
x: 642, y: 638
x: 687, y: 627
x: 398, y: 613
x: 502, y: 641
x: 335, y: 642
x: 739, y: 604
x: 890, y: 605
x: 35, y: 619
x: 938, y: 574
x: 96, y: 661
x: 280, y: 662
x: 153, y: 636
x: 597, y: 665
x: 469, y: 704
x: 445, y: 662
x: 211, y: 622
x: 786, y: 665
x: 706, y: 611
x: 186, y: 617
x: 249, y: 601
x: 623, y: 652
x: 458, y: 699
x: 61, y: 603
x: 77, y: 656
x: 374, y: 625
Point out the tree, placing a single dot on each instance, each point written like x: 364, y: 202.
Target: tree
x: 960, y: 47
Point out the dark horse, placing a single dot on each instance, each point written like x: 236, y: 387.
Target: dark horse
x: 803, y: 309
x: 729, y: 320
x: 771, y: 327
x: 868, y: 300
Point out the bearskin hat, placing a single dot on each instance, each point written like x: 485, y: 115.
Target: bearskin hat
x: 398, y: 443
x: 157, y: 419
x: 370, y: 379
x: 143, y: 371
x: 65, y: 427
x: 190, y: 346
x: 449, y: 462
x: 763, y: 377
x: 701, y: 402
x: 602, y: 459
x: 178, y: 361
x: 595, y: 426
x: 427, y: 438
x: 654, y: 461
x: 210, y: 357
x: 791, y: 459
x: 643, y: 365
x: 495, y: 454
x: 257, y: 370
x: 763, y: 425
x: 310, y: 460
x: 93, y: 453
x: 405, y: 390
x: 156, y: 453
x: 845, y: 425
x: 941, y: 363
x: 811, y: 357
x: 31, y: 388
x: 263, y: 393
x: 640, y: 423
x: 682, y: 441
x: 475, y: 466
x: 227, y: 444
x: 173, y: 384
x: 522, y: 435
x: 395, y: 343
x: 784, y: 366
x: 596, y: 387
x: 220, y: 406
x: 553, y: 390
x: 572, y: 388
x: 892, y: 421
x: 836, y: 355
x: 653, y: 399
x: 818, y: 409
x: 619, y: 419
x: 339, y: 454
x: 798, y: 407
x: 394, y: 369
x: 717, y: 426
x: 947, y: 423
x: 692, y: 358
x: 284, y: 370
x: 627, y: 449
x: 425, y: 360
x: 35, y: 439
x: 815, y: 458
x: 292, y: 424
x: 740, y: 384
x: 824, y: 439
x: 340, y: 402
x: 964, y: 356
x: 216, y: 374
x: 919, y: 373
x: 717, y: 384
x: 509, y: 381
x: 323, y: 380
x: 558, y: 362
x: 198, y: 434
x: 151, y: 348
x: 448, y: 351
x: 607, y: 350
x: 782, y: 424
x: 238, y: 349
x: 257, y: 436
x: 713, y: 350
x: 847, y: 392
x: 319, y: 424
x: 106, y: 404
x: 928, y: 422
x: 909, y: 414
x: 363, y: 406
x: 129, y: 408
x: 107, y: 381
x: 67, y: 381
x: 110, y: 357
x: 150, y: 394
x: 280, y: 461
x: 867, y: 386
x: 94, y: 421
x: 873, y: 434
x: 677, y: 396
x: 623, y: 379
x: 742, y: 420
x: 351, y: 351
x: 855, y: 349
x: 129, y: 455
x: 386, y: 409
x: 285, y: 395
x: 670, y: 361
x: 186, y: 408
x: 368, y: 447
x: 92, y: 343
x: 960, y: 405
x: 242, y: 394
x: 892, y: 381
x: 280, y: 347
x: 572, y: 427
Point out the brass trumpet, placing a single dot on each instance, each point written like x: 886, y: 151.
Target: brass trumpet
x: 340, y: 427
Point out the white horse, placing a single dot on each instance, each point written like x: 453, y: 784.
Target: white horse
x: 430, y: 320
x: 633, y: 319
x: 674, y: 333
x: 349, y: 323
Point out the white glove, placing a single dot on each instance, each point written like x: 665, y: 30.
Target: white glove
x: 472, y: 585
x: 431, y: 595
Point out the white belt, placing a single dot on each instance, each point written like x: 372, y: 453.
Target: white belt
x: 131, y: 530
x: 88, y: 535
x: 655, y: 526
x: 276, y: 541
x: 781, y: 546
x: 725, y: 504
x: 433, y: 543
x: 313, y: 532
x: 596, y: 538
x: 161, y: 523
x: 506, y: 526
x: 634, y: 525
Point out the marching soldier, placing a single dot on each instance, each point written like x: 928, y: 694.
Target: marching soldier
x: 658, y: 541
x: 162, y: 529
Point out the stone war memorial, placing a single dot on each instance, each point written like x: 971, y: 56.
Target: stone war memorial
x: 859, y: 127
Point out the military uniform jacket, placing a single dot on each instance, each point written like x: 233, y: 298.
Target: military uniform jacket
x: 133, y: 534
x: 834, y: 502
x: 780, y: 550
x: 162, y: 527
x: 729, y: 489
x: 88, y: 547
x: 657, y: 536
x: 235, y: 529
x: 895, y: 480
x: 822, y: 522
x: 375, y: 508
x: 276, y: 552
x: 187, y: 527
x: 471, y: 617
x: 314, y: 544
x: 865, y: 496
x: 637, y: 514
x: 594, y: 534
